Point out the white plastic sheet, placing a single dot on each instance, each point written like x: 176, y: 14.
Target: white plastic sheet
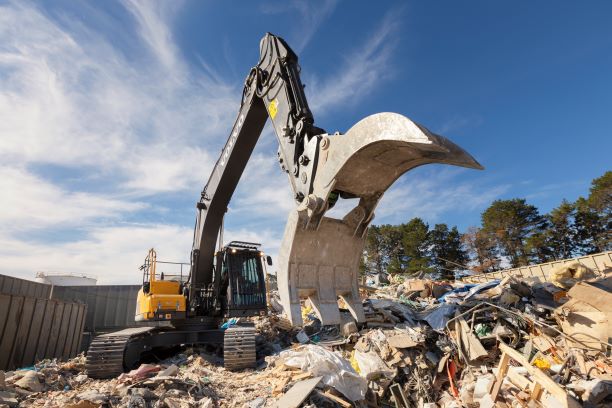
x: 335, y: 370
x: 372, y: 367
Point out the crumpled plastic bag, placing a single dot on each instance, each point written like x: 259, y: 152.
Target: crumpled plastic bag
x: 335, y: 370
x: 371, y: 366
x: 144, y: 371
x: 437, y: 318
x: 230, y: 323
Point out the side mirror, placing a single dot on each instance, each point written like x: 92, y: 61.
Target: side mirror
x: 269, y: 260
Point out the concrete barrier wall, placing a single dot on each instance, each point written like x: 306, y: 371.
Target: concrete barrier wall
x: 600, y: 263
x: 36, y: 328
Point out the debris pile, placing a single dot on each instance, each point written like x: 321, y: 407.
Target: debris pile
x: 424, y: 344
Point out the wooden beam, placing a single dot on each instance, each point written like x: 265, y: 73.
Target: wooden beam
x: 540, y: 377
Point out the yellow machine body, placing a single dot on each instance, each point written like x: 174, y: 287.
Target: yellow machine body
x: 159, y: 298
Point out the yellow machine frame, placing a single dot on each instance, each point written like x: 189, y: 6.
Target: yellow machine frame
x: 158, y: 299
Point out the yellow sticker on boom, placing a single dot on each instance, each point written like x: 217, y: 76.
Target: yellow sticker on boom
x: 273, y: 108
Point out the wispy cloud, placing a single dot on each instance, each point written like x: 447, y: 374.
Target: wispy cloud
x: 31, y: 203
x: 363, y: 69
x: 311, y: 14
x: 74, y: 100
x: 152, y: 19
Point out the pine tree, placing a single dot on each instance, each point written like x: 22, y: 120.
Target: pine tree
x: 415, y: 245
x: 393, y: 254
x: 373, y: 260
x: 511, y: 223
x: 446, y: 251
x: 600, y: 200
x: 561, y: 233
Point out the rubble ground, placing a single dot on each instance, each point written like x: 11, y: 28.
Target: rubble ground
x: 506, y: 343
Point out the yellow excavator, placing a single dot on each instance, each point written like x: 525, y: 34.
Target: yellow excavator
x: 319, y: 255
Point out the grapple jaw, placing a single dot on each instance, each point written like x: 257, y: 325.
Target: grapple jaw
x: 319, y: 256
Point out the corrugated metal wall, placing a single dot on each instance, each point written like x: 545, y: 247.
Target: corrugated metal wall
x: 22, y: 287
x: 35, y: 328
x: 109, y: 307
x: 51, y: 310
x: 598, y: 262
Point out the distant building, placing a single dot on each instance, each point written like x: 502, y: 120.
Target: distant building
x: 65, y: 279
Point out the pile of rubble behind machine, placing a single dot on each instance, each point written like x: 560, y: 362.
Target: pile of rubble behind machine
x: 424, y: 344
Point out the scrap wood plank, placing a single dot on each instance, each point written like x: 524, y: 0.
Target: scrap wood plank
x: 301, y: 376
x: 539, y: 376
x: 472, y: 346
x: 499, y: 378
x: 298, y: 393
x: 543, y: 343
x: 520, y: 381
x: 280, y: 385
x: 399, y: 396
x: 340, y: 401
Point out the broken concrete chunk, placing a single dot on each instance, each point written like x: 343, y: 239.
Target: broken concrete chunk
x: 93, y: 396
x: 401, y: 341
x: 206, y: 403
x: 81, y: 378
x: 10, y: 402
x: 256, y: 403
x: 82, y: 404
x: 169, y: 371
x: 30, y: 382
x: 144, y: 393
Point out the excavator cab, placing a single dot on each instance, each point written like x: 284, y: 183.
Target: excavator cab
x: 242, y: 270
x: 161, y: 296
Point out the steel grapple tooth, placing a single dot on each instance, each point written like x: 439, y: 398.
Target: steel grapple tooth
x: 319, y: 256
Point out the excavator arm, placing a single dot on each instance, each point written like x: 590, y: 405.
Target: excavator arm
x: 272, y: 89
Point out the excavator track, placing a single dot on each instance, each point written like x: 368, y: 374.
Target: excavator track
x: 105, y: 356
x: 239, y: 349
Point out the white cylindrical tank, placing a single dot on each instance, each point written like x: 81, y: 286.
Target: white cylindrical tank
x: 65, y: 279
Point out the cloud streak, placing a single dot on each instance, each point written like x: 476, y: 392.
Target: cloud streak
x: 310, y: 13
x: 363, y: 69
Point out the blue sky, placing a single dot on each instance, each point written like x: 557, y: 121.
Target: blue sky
x: 112, y: 114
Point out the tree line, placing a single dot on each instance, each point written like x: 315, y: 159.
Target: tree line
x: 512, y: 233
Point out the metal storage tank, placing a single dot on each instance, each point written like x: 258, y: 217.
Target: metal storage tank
x: 65, y: 279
